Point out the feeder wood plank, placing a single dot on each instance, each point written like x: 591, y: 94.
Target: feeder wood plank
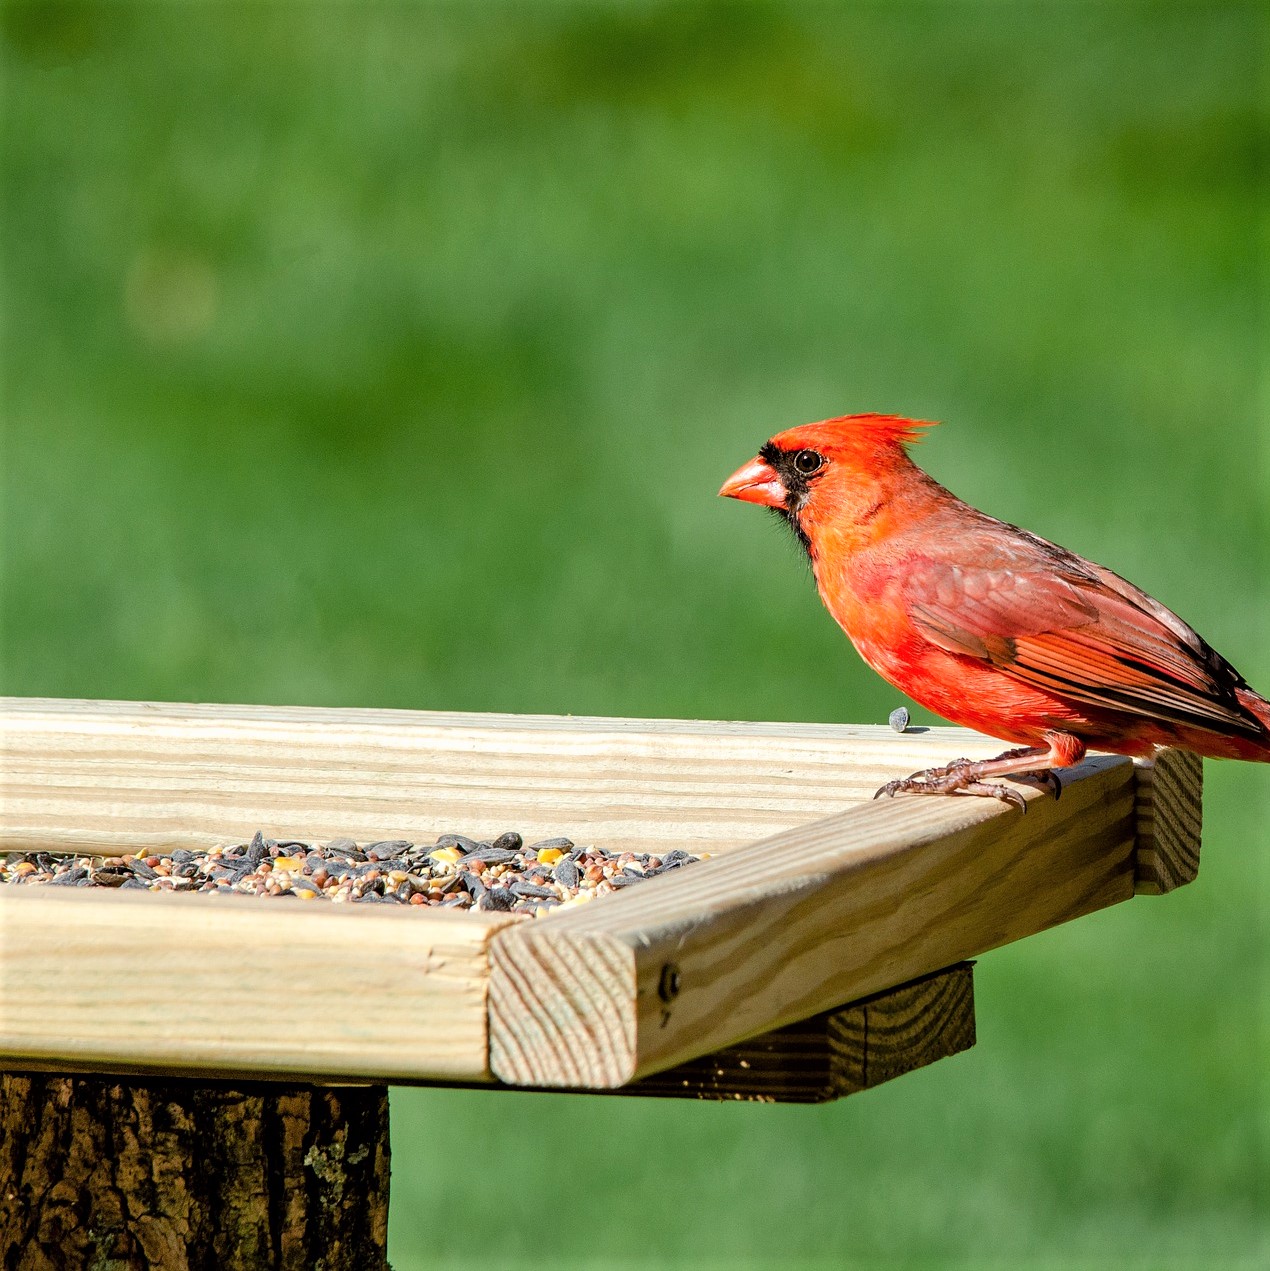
x: 780, y: 930
x: 113, y: 777
x: 190, y: 984
x: 1170, y: 796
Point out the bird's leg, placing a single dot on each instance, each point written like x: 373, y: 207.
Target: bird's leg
x: 967, y: 776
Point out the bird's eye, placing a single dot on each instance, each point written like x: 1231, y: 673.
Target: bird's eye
x: 808, y: 461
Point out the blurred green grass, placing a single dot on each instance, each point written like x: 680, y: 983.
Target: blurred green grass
x: 392, y: 356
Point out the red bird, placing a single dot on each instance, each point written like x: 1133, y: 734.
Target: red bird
x: 987, y: 624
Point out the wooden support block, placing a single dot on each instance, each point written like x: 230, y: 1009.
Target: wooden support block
x: 835, y: 1053
x: 776, y: 931
x: 173, y: 1175
x: 1170, y: 795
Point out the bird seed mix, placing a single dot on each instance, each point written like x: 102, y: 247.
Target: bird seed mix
x: 455, y: 872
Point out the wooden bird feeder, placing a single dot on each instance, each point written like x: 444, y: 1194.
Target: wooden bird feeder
x: 822, y: 949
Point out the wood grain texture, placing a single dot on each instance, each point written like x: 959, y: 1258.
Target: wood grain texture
x: 1170, y: 797
x: 835, y: 1053
x: 779, y: 930
x: 186, y: 984
x: 178, y: 1175
x: 113, y: 776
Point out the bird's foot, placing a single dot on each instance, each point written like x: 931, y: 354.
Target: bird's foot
x: 951, y: 780
x: 966, y: 776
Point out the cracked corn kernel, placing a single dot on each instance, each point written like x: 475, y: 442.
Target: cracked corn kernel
x: 549, y: 855
x: 290, y: 863
x: 445, y: 855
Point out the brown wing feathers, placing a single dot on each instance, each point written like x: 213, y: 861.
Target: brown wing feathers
x: 1084, y: 634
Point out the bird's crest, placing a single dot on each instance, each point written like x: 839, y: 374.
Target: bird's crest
x: 883, y: 428
x: 864, y: 438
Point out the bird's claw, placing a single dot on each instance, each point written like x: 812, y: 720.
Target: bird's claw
x: 953, y: 779
x: 1052, y: 781
x: 997, y: 791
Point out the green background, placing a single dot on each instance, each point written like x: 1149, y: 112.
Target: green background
x: 392, y: 356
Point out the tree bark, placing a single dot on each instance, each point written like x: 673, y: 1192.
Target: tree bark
x: 117, y: 1174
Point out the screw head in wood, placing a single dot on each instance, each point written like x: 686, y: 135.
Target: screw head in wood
x: 669, y: 985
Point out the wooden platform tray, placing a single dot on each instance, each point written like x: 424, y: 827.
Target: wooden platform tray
x: 816, y: 897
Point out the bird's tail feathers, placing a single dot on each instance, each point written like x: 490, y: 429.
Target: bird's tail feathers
x: 1259, y: 709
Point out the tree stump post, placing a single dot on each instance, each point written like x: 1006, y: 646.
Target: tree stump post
x: 139, y: 1174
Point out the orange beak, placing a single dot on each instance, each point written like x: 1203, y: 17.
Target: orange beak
x: 757, y: 482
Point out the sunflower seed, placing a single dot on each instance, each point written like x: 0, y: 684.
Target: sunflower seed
x: 560, y: 845
x: 523, y: 888
x: 490, y: 855
x: 461, y: 841
x: 496, y: 898
x: 566, y: 873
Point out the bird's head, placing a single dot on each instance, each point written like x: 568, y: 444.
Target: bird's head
x: 836, y: 473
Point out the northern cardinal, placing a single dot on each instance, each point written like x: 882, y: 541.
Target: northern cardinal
x: 987, y: 624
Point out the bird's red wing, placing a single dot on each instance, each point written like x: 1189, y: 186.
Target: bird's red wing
x: 1080, y: 632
